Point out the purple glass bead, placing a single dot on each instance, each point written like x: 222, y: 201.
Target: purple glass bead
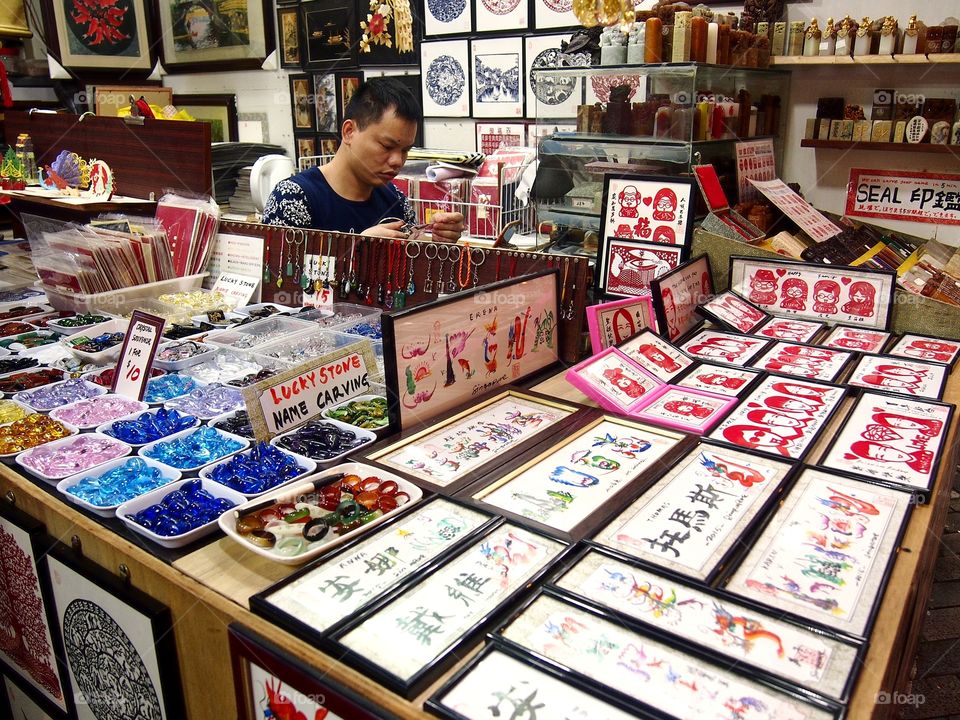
x: 52, y: 396
x: 96, y: 411
x: 78, y: 454
x: 208, y: 401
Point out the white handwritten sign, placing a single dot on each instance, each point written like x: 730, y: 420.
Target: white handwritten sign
x: 236, y: 289
x: 136, y: 356
x: 904, y: 195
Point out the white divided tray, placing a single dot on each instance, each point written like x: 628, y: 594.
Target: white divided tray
x: 144, y: 450
x: 168, y: 473
x: 122, y: 451
x: 308, y: 465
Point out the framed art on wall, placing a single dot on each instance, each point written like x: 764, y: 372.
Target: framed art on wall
x: 330, y: 34
x: 325, y: 102
x: 301, y: 102
x: 290, y: 36
x: 306, y: 145
x: 554, y: 14
x: 614, y: 322
x: 923, y: 347
x: 613, y: 381
x: 500, y: 15
x: 212, y: 35
x: 389, y: 32
x: 118, y: 641
x: 647, y: 209
x: 900, y: 375
x: 807, y: 361
x: 347, y: 84
x: 497, y: 77
x: 492, y: 136
x: 790, y: 329
x: 218, y: 110
x: 734, y: 312
x: 444, y: 75
x: 20, y: 705
x: 447, y: 17
x: 677, y: 294
x: 724, y: 347
x: 551, y: 95
x: 655, y: 355
x: 684, y: 409
x: 857, y: 339
x: 118, y: 45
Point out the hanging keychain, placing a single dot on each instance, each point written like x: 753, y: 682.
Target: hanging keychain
x: 463, y: 278
x: 266, y: 255
x: 283, y: 244
x: 451, y: 283
x: 349, y: 273
x: 360, y: 289
x: 299, y: 241
x: 411, y: 288
x: 428, y: 280
x: 478, y: 263
x: 388, y: 299
x: 573, y: 291
x: 305, y: 280
x: 376, y: 265
x: 400, y: 294
x: 442, y: 257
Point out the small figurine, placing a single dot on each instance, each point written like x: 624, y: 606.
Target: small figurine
x: 811, y: 42
x: 863, y: 40
x: 911, y: 37
x: 888, y: 36
x: 828, y: 39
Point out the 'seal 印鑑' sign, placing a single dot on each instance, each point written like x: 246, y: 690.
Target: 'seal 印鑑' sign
x: 285, y: 401
x: 904, y: 195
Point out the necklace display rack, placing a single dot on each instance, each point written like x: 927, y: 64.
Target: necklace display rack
x: 393, y: 274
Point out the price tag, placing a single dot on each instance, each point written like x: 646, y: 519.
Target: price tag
x: 144, y: 335
x: 237, y: 289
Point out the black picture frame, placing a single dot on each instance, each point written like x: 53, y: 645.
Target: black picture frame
x: 247, y: 648
x: 301, y: 103
x: 404, y: 47
x: 222, y: 110
x: 304, y: 145
x: 809, y: 336
x: 894, y: 348
x: 708, y: 310
x: 325, y: 103
x: 828, y: 337
x: 348, y: 81
x: 85, y: 583
x: 329, y: 34
x: 685, y: 287
x: 42, y: 684
x: 937, y: 389
x: 765, y: 357
x: 289, y: 36
x: 685, y: 379
x: 714, y: 336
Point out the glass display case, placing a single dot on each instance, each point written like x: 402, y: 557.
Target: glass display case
x: 658, y: 119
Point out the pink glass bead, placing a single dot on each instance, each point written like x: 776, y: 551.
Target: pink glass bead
x: 96, y: 411
x: 79, y: 454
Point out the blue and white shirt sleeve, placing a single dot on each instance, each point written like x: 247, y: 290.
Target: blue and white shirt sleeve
x: 287, y: 205
x: 409, y: 214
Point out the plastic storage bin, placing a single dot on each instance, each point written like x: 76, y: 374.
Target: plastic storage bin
x: 119, y: 302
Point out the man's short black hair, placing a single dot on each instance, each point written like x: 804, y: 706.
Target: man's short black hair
x: 379, y: 95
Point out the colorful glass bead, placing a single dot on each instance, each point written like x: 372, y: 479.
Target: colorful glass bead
x: 196, y: 302
x: 370, y: 413
x: 12, y: 364
x: 150, y: 426
x: 166, y: 387
x: 11, y: 411
x: 222, y: 368
x: 105, y: 376
x: 370, y: 330
x: 182, y: 510
x: 53, y: 396
x: 96, y: 411
x: 75, y: 455
x: 15, y: 328
x: 96, y: 344
x: 28, y: 341
x: 253, y: 378
x: 208, y: 401
x: 338, y: 318
x: 117, y: 485
x: 28, y: 380
x: 28, y: 432
x: 301, y: 350
x: 202, y: 446
x: 21, y: 311
x: 320, y: 440
x: 82, y: 320
x: 237, y: 424
x: 257, y: 470
x: 177, y: 351
x: 178, y: 332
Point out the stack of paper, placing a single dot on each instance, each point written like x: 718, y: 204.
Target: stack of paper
x: 190, y: 225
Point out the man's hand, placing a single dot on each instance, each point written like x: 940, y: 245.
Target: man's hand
x: 386, y: 230
x: 447, y: 226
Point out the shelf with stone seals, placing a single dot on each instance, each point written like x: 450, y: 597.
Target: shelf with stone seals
x: 882, y: 146
x: 833, y: 60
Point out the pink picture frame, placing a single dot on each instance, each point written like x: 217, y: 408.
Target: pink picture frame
x: 734, y: 312
x: 807, y: 361
x: 614, y: 322
x: 613, y: 381
x: 655, y: 355
x: 684, y: 409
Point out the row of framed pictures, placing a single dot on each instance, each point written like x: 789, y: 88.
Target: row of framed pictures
x: 78, y: 642
x: 469, y: 17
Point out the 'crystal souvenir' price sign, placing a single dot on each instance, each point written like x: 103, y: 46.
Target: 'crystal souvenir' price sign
x: 144, y: 335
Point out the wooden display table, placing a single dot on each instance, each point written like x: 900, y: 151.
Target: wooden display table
x: 209, y: 588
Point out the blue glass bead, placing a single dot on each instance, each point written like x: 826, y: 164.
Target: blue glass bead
x: 260, y: 469
x: 198, y: 448
x: 150, y: 426
x: 167, y: 387
x: 118, y: 485
x: 182, y: 510
x: 366, y: 329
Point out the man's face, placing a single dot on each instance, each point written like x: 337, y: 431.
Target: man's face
x: 378, y: 151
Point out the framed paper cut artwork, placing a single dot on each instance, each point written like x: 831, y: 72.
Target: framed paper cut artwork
x: 612, y: 323
x: 438, y: 615
x: 551, y: 95
x: 500, y: 16
x: 922, y: 347
x: 444, y: 75
x: 724, y: 347
x: 668, y: 681
x: 501, y: 679
x: 656, y: 355
x: 894, y: 441
x: 647, y: 208
x: 20, y: 705
x: 118, y: 641
x: 493, y: 136
x: 807, y: 361
x: 856, y: 339
x: 388, y: 32
x: 119, y: 45
x: 795, y: 566
x: 330, y: 34
x: 691, y: 519
x: 325, y: 102
x: 732, y: 311
x: 677, y: 294
x: 684, y: 409
x: 497, y: 77
x: 628, y: 268
x: 781, y: 416
x: 570, y: 488
x: 290, y: 36
x: 613, y: 381
x: 554, y: 14
x: 29, y: 645
x: 790, y: 329
x: 301, y: 101
x: 450, y: 350
x: 851, y: 296
x: 347, y: 84
x: 457, y: 450
x: 794, y: 653
x: 212, y: 35
x: 900, y: 375
x: 268, y: 682
x: 719, y: 379
x: 447, y: 17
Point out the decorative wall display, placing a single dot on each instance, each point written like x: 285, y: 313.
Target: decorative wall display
x: 923, y: 347
x: 900, y: 375
x: 306, y: 146
x: 497, y: 77
x: 330, y: 34
x: 347, y: 84
x: 327, y: 145
x: 730, y: 310
x: 455, y: 451
x: 449, y: 350
x: 852, y: 296
x: 629, y: 267
x: 501, y: 680
x: 444, y: 73
x: 893, y: 441
x: 271, y: 683
x: 447, y: 17
x: 780, y: 417
x: 790, y: 329
x: 27, y: 644
x: 656, y: 355
x: 691, y: 519
x: 669, y: 680
x: 220, y: 110
x: 116, y: 43
x: 550, y: 95
x: 677, y: 294
x: 744, y: 633
x: 301, y: 102
x: 825, y: 554
x: 807, y: 361
x: 19, y: 704
x: 119, y: 642
x: 724, y: 347
x: 719, y: 379
x: 445, y: 609
x: 496, y: 135
x: 212, y: 35
x: 500, y: 15
x: 684, y: 409
x: 613, y: 322
x: 389, y: 32
x: 570, y: 488
x: 613, y: 381
x: 290, y: 36
x: 857, y: 339
x: 325, y: 102
x: 554, y: 14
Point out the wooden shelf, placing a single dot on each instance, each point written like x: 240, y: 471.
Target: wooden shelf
x: 932, y: 59
x: 884, y: 146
